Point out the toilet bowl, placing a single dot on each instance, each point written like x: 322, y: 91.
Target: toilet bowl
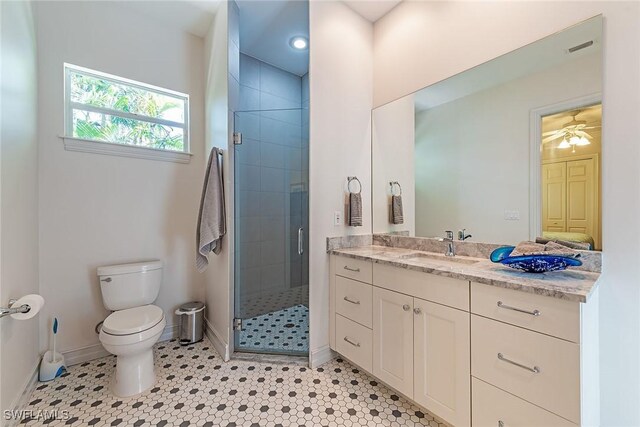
x: 130, y: 335
x: 135, y: 324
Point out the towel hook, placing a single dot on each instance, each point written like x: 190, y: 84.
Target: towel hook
x: 354, y: 178
x: 392, y: 184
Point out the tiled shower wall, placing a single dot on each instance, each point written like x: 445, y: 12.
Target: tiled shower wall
x: 272, y: 186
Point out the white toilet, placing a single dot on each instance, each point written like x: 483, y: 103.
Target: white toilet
x: 135, y: 324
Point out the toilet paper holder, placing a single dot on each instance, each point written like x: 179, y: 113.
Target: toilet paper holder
x: 24, y: 308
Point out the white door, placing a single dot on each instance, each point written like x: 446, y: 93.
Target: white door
x: 554, y: 196
x: 393, y: 339
x: 442, y: 361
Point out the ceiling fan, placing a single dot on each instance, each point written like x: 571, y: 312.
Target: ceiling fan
x: 572, y: 133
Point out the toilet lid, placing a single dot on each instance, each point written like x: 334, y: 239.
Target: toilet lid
x: 133, y: 320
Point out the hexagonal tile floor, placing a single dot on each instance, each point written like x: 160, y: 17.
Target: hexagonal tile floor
x: 196, y: 388
x: 285, y: 330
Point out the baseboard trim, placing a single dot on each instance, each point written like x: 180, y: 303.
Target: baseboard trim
x: 96, y: 351
x: 216, y: 340
x: 21, y: 401
x: 320, y: 356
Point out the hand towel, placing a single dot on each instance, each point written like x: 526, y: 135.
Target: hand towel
x: 211, y: 219
x: 355, y: 209
x: 551, y: 248
x: 397, y: 216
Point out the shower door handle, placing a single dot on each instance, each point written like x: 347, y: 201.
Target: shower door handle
x: 300, y: 241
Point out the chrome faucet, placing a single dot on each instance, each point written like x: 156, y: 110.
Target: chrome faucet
x: 451, y: 250
x: 462, y: 234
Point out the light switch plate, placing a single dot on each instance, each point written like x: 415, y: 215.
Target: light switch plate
x: 337, y: 218
x: 511, y: 215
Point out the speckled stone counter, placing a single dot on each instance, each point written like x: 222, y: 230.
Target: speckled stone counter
x: 570, y: 285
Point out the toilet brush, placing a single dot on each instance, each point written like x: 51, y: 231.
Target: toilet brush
x: 52, y: 363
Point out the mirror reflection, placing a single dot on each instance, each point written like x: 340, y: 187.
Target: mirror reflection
x: 504, y: 152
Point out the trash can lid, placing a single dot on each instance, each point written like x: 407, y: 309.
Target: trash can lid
x: 192, y: 306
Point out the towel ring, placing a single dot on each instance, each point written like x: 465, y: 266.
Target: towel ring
x: 392, y: 184
x: 354, y: 178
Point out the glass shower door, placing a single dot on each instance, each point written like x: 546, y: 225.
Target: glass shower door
x: 271, y: 222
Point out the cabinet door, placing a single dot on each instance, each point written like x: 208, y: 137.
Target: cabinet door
x: 442, y: 361
x: 554, y: 196
x: 393, y: 339
x: 581, y: 197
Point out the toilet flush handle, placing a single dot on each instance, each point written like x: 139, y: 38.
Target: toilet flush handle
x: 108, y: 280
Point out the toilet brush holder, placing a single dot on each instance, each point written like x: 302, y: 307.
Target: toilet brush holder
x: 51, y: 366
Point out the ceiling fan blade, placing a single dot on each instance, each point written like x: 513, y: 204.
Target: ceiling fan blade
x: 592, y: 127
x: 552, y: 132
x: 581, y: 133
x: 551, y: 138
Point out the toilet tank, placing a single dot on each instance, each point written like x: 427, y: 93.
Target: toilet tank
x: 130, y: 285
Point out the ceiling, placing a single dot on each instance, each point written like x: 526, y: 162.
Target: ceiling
x: 192, y: 16
x: 372, y: 10
x: 535, y: 57
x: 266, y: 28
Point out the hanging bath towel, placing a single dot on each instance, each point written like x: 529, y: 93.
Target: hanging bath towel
x: 211, y: 220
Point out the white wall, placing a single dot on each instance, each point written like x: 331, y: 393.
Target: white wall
x: 98, y: 209
x: 340, y: 77
x: 18, y: 195
x: 221, y: 50
x: 472, y: 154
x: 420, y: 43
x: 393, y: 144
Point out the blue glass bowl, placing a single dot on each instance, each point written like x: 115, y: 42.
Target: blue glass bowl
x: 533, y: 263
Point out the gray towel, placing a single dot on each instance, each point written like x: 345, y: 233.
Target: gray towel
x: 355, y: 209
x: 397, y: 216
x: 211, y: 219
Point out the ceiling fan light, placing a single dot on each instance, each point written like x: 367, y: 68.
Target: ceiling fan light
x: 583, y: 141
x: 564, y: 144
x: 574, y: 140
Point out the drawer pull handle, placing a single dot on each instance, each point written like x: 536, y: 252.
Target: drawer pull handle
x: 355, y: 270
x: 500, y: 423
x: 417, y: 310
x: 535, y: 369
x: 351, y: 301
x: 353, y: 343
x: 406, y: 307
x: 508, y: 307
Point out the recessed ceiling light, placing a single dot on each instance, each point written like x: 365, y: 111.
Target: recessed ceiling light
x: 299, y: 43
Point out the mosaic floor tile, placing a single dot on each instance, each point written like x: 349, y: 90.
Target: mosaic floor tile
x: 283, y: 330
x: 195, y: 387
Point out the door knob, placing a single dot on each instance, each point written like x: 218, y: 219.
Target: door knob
x: 406, y: 307
x: 417, y: 310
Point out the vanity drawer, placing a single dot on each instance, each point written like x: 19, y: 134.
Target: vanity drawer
x: 354, y: 342
x: 354, y: 300
x: 493, y: 407
x: 506, y: 355
x: 554, y: 317
x: 356, y: 269
x: 431, y: 287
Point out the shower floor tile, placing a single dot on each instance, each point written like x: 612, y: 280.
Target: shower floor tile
x: 282, y: 330
x: 194, y: 387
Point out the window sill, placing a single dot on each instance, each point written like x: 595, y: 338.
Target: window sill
x: 111, y: 149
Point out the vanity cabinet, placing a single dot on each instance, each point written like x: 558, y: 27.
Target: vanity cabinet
x: 415, y: 327
x: 517, y: 358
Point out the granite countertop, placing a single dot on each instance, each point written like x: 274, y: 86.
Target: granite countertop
x: 570, y: 285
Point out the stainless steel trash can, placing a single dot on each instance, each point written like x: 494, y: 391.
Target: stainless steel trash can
x: 191, y: 322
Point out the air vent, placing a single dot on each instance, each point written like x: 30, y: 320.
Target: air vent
x: 580, y: 46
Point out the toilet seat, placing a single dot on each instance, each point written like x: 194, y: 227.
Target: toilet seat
x: 133, y: 320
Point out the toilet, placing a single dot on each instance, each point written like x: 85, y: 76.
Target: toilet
x: 135, y: 324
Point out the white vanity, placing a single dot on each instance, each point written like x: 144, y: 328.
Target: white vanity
x: 471, y: 342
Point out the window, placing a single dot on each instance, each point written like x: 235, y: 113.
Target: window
x: 111, y: 115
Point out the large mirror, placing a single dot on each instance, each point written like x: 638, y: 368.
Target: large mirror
x: 504, y: 152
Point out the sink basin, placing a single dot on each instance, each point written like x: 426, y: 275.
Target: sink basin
x: 436, y: 257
